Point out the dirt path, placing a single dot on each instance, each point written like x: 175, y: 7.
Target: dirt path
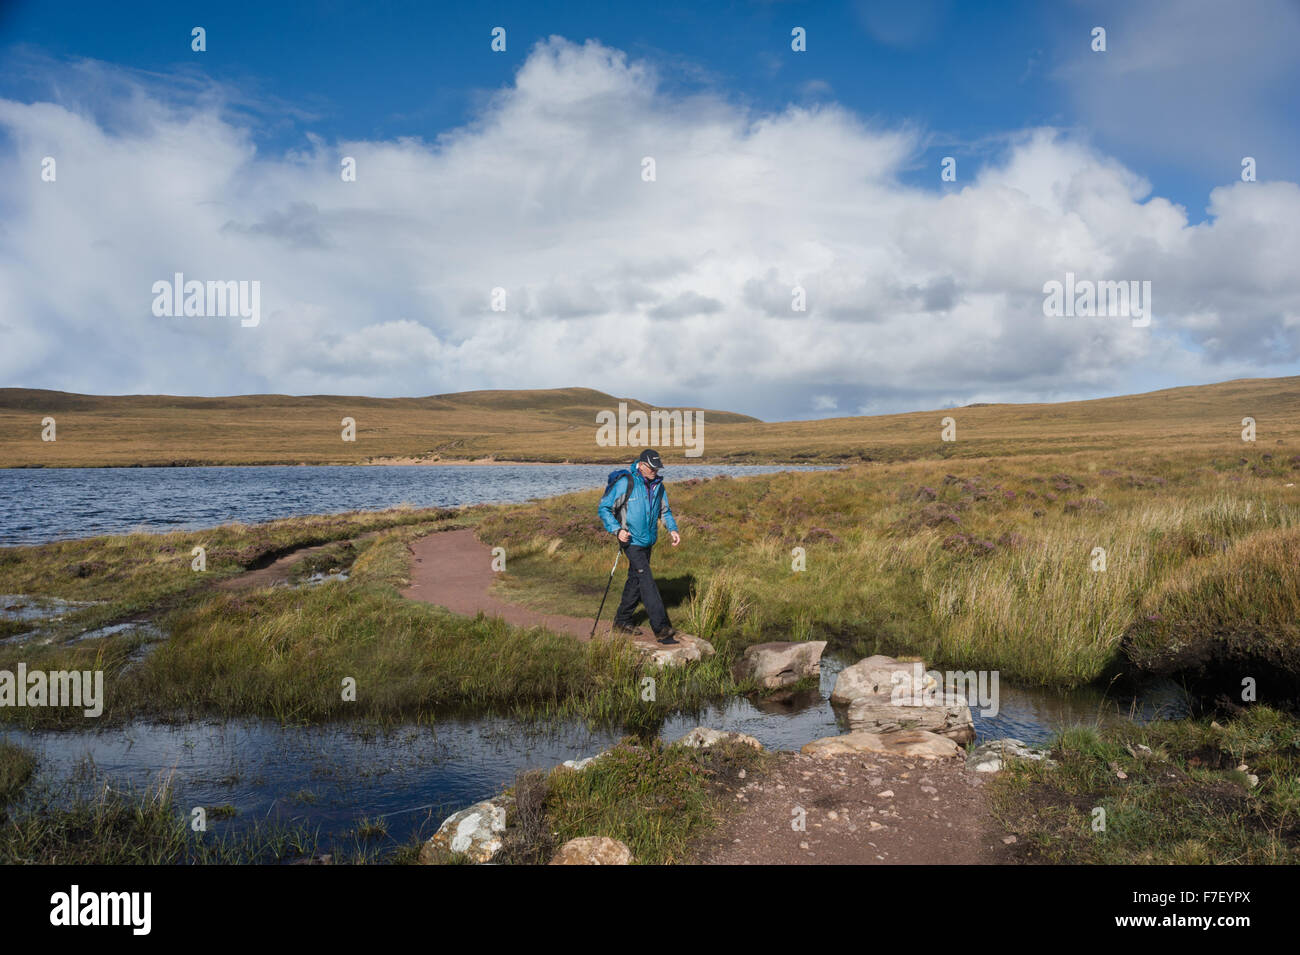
x: 860, y: 810
x: 276, y: 572
x: 453, y: 569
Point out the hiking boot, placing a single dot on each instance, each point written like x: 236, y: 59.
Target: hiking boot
x: 667, y: 636
x: 628, y: 629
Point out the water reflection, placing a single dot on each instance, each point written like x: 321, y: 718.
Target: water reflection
x: 331, y: 776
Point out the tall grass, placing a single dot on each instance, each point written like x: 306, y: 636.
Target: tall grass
x: 138, y: 827
x: 286, y: 653
x: 17, y: 766
x: 989, y: 567
x: 723, y: 601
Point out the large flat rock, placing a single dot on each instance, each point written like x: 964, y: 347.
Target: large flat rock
x: 778, y: 664
x: 913, y: 743
x: 880, y: 675
x: 885, y: 695
x: 688, y: 649
x: 947, y: 714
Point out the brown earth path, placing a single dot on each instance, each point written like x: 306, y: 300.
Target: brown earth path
x: 278, y: 571
x: 453, y: 569
x: 862, y: 809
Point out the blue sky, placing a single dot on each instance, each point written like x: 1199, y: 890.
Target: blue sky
x: 968, y: 73
x: 1011, y: 90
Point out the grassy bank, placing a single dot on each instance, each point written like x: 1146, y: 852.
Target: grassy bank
x: 285, y: 653
x: 655, y: 799
x: 1182, y: 800
x: 980, y: 567
x: 985, y: 564
x: 126, y: 575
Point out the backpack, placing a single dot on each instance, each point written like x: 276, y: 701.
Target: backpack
x: 620, y: 506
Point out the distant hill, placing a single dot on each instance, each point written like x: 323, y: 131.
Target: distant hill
x: 560, y: 425
x: 159, y: 430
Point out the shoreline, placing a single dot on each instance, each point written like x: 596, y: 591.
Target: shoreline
x: 415, y: 462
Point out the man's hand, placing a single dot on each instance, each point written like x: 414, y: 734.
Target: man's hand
x: 624, y: 536
x: 677, y: 538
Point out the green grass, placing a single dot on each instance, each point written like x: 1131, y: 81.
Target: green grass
x: 285, y: 654
x: 133, y: 828
x: 1236, y: 600
x: 655, y: 799
x: 982, y: 566
x: 126, y: 575
x: 1186, y: 803
x: 976, y: 564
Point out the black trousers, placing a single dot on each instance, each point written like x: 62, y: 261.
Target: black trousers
x: 641, y: 588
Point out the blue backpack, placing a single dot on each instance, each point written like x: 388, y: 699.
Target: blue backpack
x: 620, y: 506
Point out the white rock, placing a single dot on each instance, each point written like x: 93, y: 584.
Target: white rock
x: 992, y: 757
x: 702, y: 738
x: 885, y: 696
x: 475, y: 832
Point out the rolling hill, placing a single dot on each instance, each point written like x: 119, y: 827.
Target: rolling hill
x: 560, y: 425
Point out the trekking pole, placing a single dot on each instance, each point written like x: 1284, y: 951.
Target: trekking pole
x: 607, y: 586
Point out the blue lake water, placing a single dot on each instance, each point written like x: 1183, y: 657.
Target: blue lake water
x: 44, y: 504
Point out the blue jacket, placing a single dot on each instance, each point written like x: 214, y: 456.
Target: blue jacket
x: 647, y: 503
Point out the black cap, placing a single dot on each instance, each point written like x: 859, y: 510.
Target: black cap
x: 651, y: 457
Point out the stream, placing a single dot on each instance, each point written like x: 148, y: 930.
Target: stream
x: 329, y: 777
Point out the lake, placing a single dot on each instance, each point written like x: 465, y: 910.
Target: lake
x: 45, y: 504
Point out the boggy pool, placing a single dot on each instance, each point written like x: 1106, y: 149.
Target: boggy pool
x: 330, y: 777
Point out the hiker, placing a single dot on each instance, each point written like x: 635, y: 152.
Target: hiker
x: 634, y: 503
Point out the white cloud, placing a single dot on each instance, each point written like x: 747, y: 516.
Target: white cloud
x: 1191, y: 83
x: 677, y: 291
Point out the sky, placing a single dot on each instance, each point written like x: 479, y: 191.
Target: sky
x: 518, y: 178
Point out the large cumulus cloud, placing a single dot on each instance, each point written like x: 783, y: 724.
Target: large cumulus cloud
x: 676, y: 291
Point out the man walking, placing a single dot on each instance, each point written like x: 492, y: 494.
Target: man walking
x: 632, y: 507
